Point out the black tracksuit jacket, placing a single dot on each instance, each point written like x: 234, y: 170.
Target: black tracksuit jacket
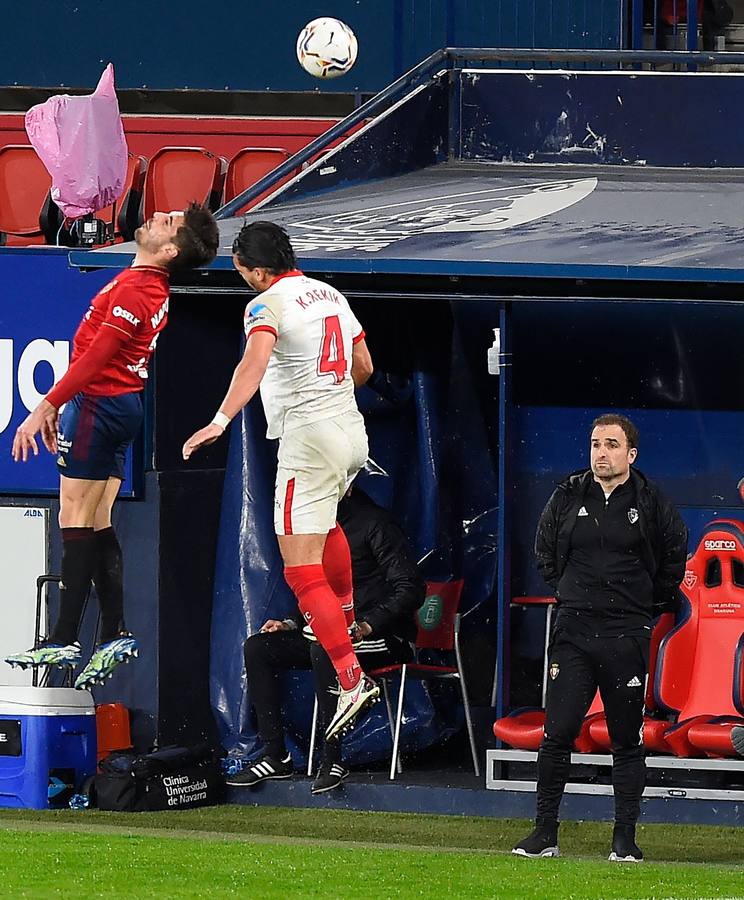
x: 664, y: 535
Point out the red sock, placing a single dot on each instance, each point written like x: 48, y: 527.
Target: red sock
x: 337, y: 568
x: 320, y: 608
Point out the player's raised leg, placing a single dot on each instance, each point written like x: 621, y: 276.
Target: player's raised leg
x: 303, y: 570
x: 337, y: 567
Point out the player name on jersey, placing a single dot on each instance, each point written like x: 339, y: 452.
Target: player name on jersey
x: 309, y: 374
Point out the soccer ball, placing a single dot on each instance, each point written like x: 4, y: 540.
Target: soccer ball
x: 326, y: 48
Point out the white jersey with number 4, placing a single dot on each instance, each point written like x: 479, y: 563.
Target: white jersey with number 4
x: 308, y: 378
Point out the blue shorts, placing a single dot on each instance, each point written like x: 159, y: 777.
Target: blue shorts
x: 94, y: 433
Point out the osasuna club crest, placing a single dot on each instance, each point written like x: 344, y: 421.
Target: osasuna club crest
x: 632, y: 515
x: 554, y: 670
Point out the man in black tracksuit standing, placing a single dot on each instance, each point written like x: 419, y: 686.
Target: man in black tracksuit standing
x: 613, y: 549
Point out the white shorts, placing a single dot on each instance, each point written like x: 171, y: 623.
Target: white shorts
x: 316, y: 464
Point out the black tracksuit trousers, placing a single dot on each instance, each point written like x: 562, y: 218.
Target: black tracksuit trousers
x: 578, y: 665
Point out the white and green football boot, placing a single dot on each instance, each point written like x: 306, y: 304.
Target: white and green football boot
x: 46, y: 653
x: 106, y: 657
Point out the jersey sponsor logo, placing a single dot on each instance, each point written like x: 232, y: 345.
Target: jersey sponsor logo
x: 159, y: 315
x: 728, y: 546
x: 120, y: 313
x: 371, y: 229
x: 256, y: 315
x: 632, y: 515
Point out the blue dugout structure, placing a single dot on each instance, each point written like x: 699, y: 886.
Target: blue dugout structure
x: 574, y: 210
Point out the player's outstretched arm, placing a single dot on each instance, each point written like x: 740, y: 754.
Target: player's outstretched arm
x: 245, y: 381
x: 44, y: 418
x: 361, y: 363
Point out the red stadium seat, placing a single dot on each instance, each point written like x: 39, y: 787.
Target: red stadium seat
x: 178, y: 175
x: 438, y: 623
x: 248, y: 166
x: 128, y: 212
x: 699, y: 673
x: 27, y: 213
x: 675, y: 11
x: 523, y: 728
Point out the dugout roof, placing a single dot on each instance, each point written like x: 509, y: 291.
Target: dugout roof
x: 467, y: 218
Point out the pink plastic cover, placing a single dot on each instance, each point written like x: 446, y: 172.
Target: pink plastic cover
x: 81, y: 142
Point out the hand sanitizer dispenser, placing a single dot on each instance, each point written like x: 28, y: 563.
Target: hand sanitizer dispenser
x: 494, y: 353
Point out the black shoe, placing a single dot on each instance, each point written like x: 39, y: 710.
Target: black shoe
x: 543, y: 841
x: 262, y: 770
x: 624, y: 847
x: 330, y: 776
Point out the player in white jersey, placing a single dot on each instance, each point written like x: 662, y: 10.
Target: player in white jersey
x: 306, y: 351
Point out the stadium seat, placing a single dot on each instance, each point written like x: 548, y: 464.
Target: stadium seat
x: 438, y: 629
x: 248, y: 166
x: 699, y: 671
x: 548, y: 604
x: 128, y: 205
x: 523, y: 728
x: 28, y: 215
x: 123, y: 218
x: 178, y: 175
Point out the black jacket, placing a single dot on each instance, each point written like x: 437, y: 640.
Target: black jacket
x: 388, y: 589
x: 664, y: 533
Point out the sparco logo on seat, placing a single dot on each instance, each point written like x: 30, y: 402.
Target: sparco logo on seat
x: 720, y: 545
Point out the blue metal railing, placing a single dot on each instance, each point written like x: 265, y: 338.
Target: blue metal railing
x: 456, y: 57
x: 665, y: 21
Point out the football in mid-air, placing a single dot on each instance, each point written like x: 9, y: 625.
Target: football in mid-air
x: 326, y: 48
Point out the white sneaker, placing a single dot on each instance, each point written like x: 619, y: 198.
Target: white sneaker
x: 351, y: 704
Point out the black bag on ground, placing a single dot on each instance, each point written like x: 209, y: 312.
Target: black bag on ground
x: 171, y: 778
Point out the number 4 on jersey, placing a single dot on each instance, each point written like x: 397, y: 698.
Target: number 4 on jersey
x: 332, y: 360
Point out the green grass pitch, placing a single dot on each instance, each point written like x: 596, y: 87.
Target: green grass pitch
x: 262, y: 852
